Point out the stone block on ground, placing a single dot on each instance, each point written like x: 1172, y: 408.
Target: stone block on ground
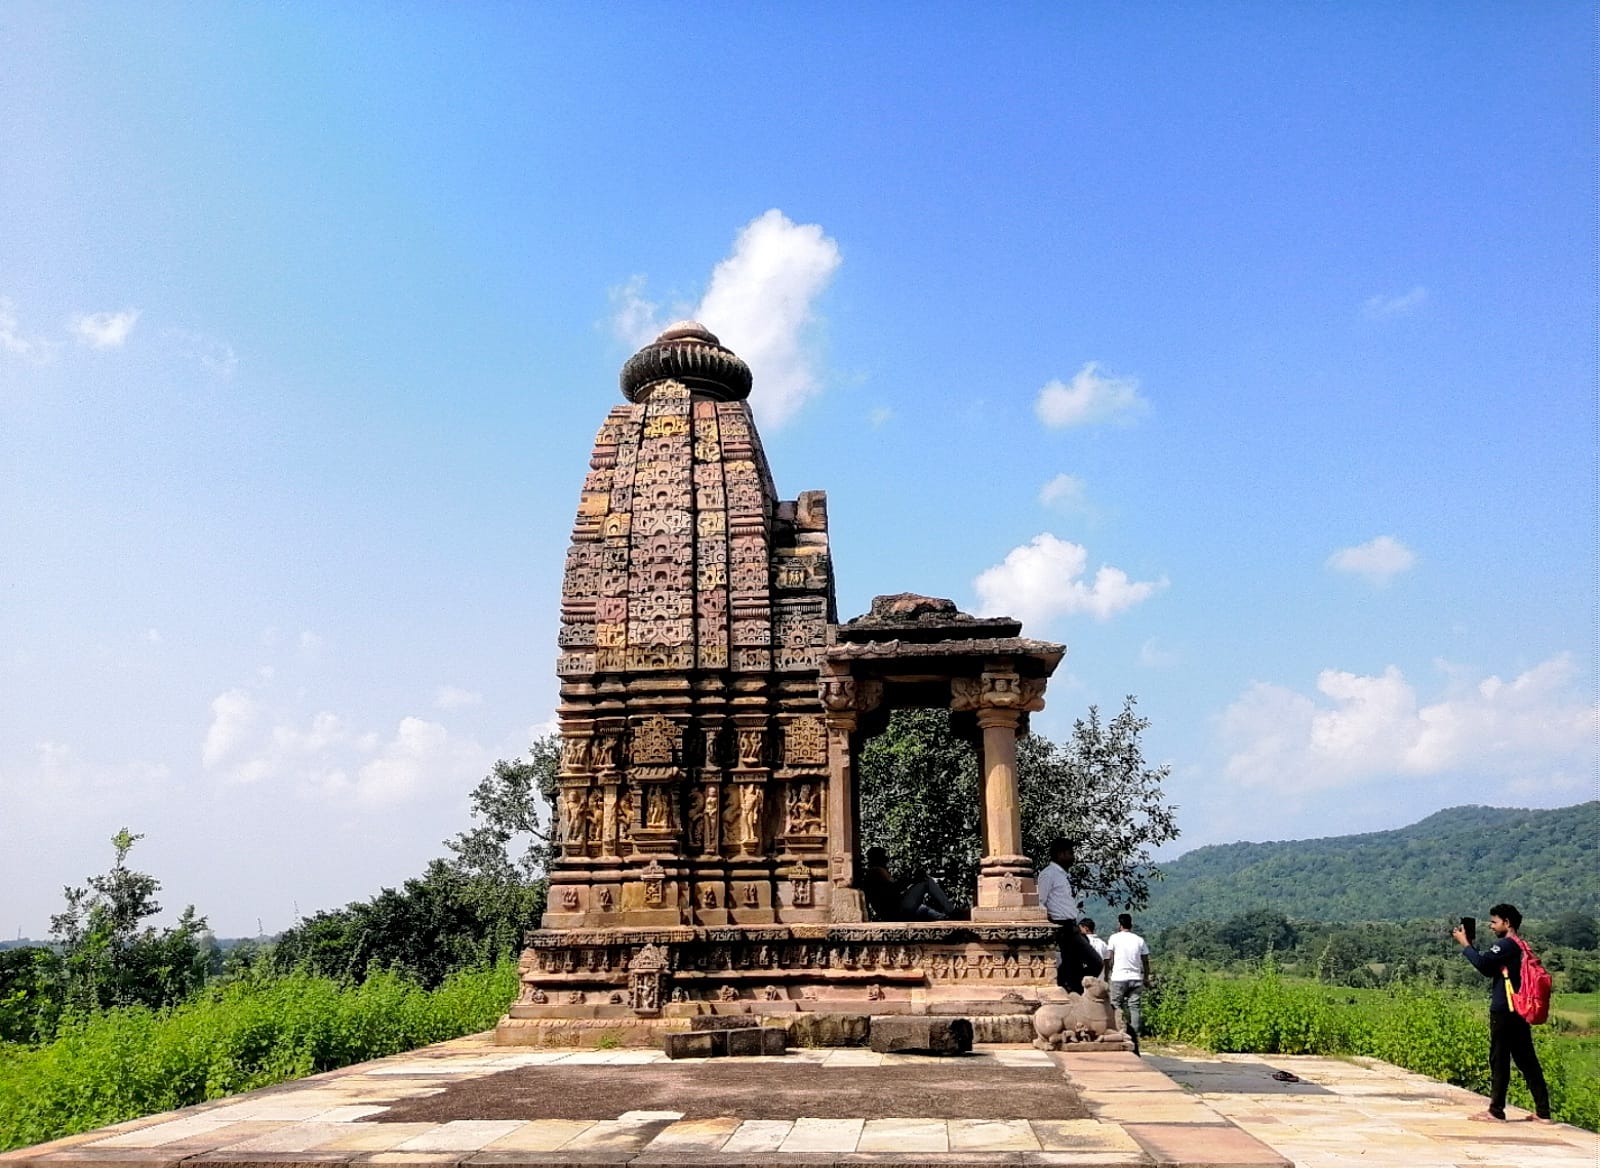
x: 1002, y: 1028
x: 696, y: 1044
x: 724, y: 1022
x: 829, y: 1030
x: 756, y: 1040
x: 944, y: 1036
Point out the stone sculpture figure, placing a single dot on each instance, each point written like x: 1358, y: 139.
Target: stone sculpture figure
x: 805, y: 810
x: 697, y: 820
x: 657, y: 814
x: 574, y: 815
x: 625, y: 816
x: 712, y: 817
x: 750, y: 805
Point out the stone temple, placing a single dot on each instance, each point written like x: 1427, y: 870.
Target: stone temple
x: 712, y: 706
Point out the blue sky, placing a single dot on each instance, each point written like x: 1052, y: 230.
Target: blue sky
x: 1247, y: 349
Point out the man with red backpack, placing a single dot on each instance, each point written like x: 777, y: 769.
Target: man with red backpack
x: 1510, y: 1039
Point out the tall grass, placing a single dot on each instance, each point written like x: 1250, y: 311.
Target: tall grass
x: 119, y: 1064
x: 1439, y: 1032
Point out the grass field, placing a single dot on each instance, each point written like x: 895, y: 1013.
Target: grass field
x: 1443, y: 1033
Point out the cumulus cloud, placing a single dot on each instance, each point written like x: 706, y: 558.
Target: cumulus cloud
x: 1065, y: 493
x: 325, y: 758
x: 1044, y: 579
x: 1361, y: 728
x: 1089, y: 397
x: 14, y: 340
x: 234, y: 716
x: 451, y: 697
x: 761, y: 303
x: 104, y: 330
x: 1379, y: 560
x: 1378, y: 307
x: 60, y: 770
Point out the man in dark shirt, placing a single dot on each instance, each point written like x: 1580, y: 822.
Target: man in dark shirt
x: 1509, y: 1036
x: 902, y: 900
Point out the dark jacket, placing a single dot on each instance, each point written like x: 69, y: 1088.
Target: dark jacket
x: 1504, y: 954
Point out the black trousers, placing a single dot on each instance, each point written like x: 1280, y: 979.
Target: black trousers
x: 1511, y: 1040
x: 1078, y: 958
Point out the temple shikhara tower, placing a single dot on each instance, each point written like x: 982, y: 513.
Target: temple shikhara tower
x: 711, y: 710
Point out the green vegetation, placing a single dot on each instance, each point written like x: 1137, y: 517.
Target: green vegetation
x: 1438, y: 1032
x: 127, y: 1061
x: 117, y: 1019
x: 1374, y: 953
x: 1455, y: 862
x: 920, y: 798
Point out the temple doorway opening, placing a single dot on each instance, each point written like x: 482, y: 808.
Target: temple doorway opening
x: 919, y: 800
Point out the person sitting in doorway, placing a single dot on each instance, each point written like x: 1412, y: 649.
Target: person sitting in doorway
x: 889, y: 899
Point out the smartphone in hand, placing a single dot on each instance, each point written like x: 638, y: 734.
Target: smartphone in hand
x: 1469, y: 926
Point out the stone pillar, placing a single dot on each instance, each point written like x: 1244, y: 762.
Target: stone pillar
x: 1007, y: 890
x: 1002, y: 809
x: 845, y: 699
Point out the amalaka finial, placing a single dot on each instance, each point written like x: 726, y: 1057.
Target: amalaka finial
x: 691, y: 353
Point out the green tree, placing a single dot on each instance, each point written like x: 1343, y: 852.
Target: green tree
x: 1251, y: 934
x: 464, y: 911
x: 31, y: 993
x: 1573, y: 930
x: 1098, y: 789
x: 110, y: 957
x: 920, y: 797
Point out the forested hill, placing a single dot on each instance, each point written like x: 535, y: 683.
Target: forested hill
x: 1456, y: 862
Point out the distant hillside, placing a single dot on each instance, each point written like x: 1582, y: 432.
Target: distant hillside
x: 1453, y: 863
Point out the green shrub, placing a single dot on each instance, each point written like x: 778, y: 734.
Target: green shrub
x: 118, y: 1064
x: 1437, y: 1031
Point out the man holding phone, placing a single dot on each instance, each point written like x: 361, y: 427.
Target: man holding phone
x: 1509, y: 1036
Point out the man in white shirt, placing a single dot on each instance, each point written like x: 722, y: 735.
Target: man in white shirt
x: 1078, y: 958
x: 1128, y: 966
x: 1086, y: 927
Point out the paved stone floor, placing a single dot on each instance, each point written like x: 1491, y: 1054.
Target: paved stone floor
x: 1169, y: 1109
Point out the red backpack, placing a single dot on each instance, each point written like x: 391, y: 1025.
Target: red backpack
x: 1532, y: 1000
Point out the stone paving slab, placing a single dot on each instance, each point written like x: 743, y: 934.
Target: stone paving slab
x: 1171, y: 1110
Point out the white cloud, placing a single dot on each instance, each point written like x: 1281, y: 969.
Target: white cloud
x: 1379, y: 559
x: 1089, y: 397
x: 761, y: 303
x: 104, y: 330
x: 234, y: 715
x: 450, y: 697
x: 61, y: 766
x: 13, y: 340
x: 635, y: 320
x: 1044, y: 579
x: 324, y: 758
x: 1065, y: 493
x: 1366, y: 728
x: 1378, y: 307
x: 421, y: 756
x: 879, y: 416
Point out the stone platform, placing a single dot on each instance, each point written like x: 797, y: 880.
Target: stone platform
x: 469, y: 1102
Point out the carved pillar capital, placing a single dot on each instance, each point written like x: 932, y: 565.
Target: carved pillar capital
x: 842, y: 693
x: 1002, y: 689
